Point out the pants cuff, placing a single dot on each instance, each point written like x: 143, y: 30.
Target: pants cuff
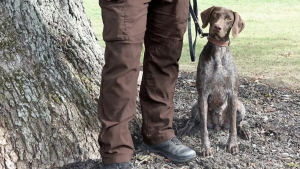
x: 118, y: 159
x: 159, y: 139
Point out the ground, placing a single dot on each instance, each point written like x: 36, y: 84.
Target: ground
x: 273, y: 118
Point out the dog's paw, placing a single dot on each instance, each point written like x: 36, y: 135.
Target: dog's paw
x: 243, y: 133
x: 232, y: 146
x: 206, y: 150
x: 206, y: 153
x: 233, y: 149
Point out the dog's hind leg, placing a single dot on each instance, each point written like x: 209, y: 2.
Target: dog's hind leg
x: 184, y: 131
x: 191, y: 123
x: 242, y: 131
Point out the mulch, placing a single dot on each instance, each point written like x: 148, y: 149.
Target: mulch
x: 273, y: 118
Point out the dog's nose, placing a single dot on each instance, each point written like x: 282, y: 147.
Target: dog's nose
x: 217, y: 27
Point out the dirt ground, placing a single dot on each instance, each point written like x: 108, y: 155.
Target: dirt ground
x: 273, y: 118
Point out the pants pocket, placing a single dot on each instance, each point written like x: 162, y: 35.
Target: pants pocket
x: 169, y: 19
x: 113, y: 16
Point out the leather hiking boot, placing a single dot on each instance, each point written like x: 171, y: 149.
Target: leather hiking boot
x: 173, y: 149
x: 124, y: 165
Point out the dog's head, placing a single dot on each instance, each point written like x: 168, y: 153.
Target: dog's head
x: 221, y: 21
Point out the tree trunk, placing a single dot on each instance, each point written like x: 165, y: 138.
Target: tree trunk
x: 50, y: 66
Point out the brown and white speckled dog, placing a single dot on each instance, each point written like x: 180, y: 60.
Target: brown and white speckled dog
x: 217, y: 81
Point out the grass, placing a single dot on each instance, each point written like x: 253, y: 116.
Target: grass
x: 268, y: 49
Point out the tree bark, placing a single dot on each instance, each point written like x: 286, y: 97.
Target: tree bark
x: 50, y: 66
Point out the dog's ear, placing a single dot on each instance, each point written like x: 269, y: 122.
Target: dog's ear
x: 238, y: 25
x: 205, y: 15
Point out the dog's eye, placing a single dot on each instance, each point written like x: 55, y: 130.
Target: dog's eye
x: 228, y: 19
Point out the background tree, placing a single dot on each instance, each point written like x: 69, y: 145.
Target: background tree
x: 50, y: 66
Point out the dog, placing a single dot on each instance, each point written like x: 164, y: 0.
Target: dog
x: 217, y: 82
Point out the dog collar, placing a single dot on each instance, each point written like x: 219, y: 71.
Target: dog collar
x: 217, y: 42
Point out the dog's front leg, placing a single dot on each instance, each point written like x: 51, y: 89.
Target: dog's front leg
x: 232, y: 145
x: 202, y: 103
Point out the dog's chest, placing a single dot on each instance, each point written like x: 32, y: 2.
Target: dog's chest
x: 219, y: 71
x: 217, y: 76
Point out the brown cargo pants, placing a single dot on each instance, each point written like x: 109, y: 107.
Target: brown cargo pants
x: 160, y: 25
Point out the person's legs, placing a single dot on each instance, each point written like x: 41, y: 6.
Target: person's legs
x: 124, y: 29
x: 166, y: 25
